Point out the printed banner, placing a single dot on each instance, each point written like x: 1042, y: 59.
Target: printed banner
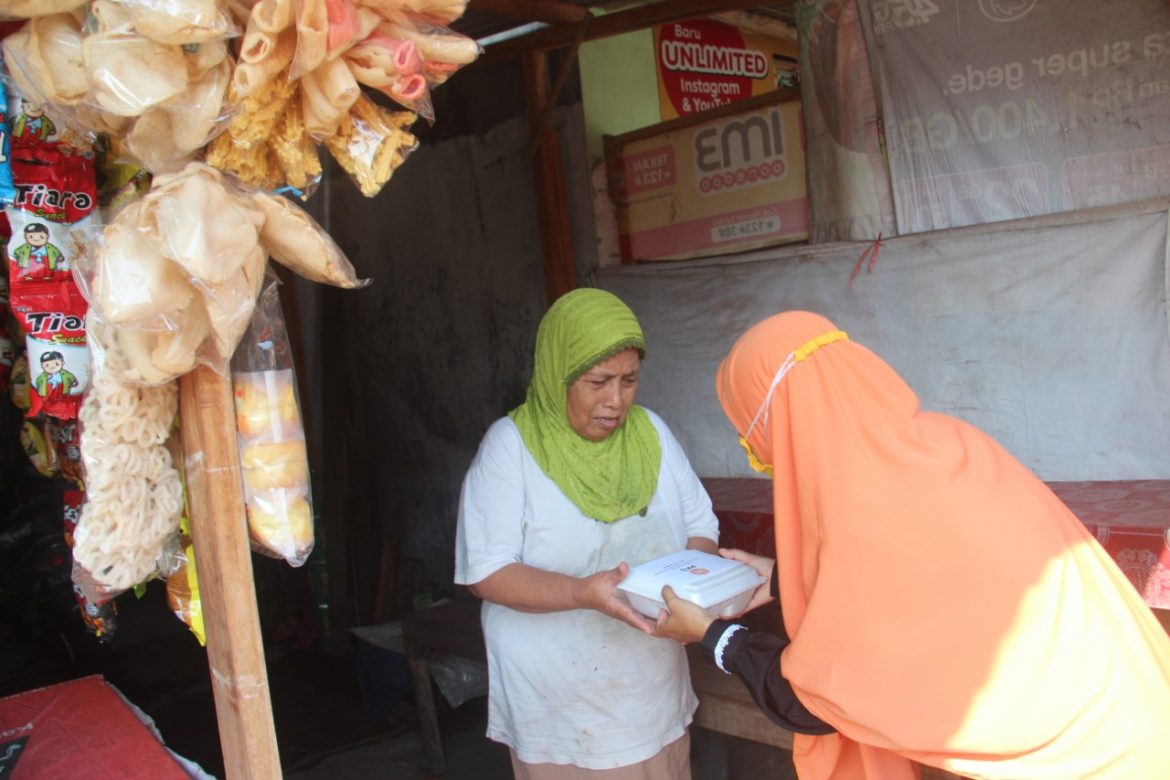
x: 1001, y: 109
x: 848, y: 178
x: 703, y: 64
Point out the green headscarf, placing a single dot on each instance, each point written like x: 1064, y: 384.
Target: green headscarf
x: 608, y: 479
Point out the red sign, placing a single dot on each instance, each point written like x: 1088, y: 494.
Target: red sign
x: 704, y: 64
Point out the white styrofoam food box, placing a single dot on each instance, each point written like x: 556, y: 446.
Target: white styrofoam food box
x: 721, y: 586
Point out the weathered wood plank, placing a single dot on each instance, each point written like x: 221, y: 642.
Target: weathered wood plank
x: 223, y: 562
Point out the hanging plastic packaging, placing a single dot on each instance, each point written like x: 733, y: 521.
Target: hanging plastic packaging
x: 271, y: 437
x: 52, y: 222
x: 100, y: 616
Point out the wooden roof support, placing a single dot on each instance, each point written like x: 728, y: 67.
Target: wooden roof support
x: 556, y: 238
x: 551, y: 11
x: 550, y: 101
x: 745, y: 20
x: 223, y: 563
x: 662, y: 12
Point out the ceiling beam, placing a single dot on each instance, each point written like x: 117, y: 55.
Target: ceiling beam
x: 641, y: 17
x: 549, y: 11
x: 764, y: 25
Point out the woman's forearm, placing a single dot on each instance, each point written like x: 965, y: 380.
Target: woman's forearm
x: 703, y: 544
x: 528, y: 589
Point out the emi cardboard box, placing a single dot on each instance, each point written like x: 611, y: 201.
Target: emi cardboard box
x: 714, y: 186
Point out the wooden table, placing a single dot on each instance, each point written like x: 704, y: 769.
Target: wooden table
x: 452, y: 628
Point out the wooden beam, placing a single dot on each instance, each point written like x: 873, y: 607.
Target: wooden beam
x: 764, y: 25
x: 662, y: 12
x: 560, y: 274
x: 223, y: 562
x: 551, y: 11
x: 550, y: 100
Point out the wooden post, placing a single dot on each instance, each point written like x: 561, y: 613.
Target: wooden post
x: 560, y: 273
x: 223, y: 562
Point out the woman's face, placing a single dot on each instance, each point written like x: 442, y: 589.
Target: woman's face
x: 601, y: 398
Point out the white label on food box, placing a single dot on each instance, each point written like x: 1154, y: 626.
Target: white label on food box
x: 748, y: 229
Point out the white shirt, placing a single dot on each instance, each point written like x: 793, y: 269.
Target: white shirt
x: 577, y: 686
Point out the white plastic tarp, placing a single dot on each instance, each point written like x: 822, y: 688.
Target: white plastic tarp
x: 1050, y: 334
x: 1001, y: 109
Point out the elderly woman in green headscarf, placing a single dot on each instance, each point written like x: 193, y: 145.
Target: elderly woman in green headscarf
x: 570, y: 489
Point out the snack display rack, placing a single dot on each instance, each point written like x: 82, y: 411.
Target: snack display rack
x: 205, y: 121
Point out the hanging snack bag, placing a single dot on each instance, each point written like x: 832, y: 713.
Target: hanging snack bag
x: 65, y: 438
x: 271, y: 437
x: 51, y: 224
x: 100, y: 616
x: 34, y: 136
x: 183, y: 593
x: 371, y: 143
x: 53, y: 317
x: 40, y: 453
x: 183, y: 584
x: 49, y: 218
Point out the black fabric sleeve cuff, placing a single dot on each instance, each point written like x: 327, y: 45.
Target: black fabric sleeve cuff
x: 711, y: 638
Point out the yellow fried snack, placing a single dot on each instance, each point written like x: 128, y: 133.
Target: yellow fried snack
x: 247, y: 148
x: 280, y: 523
x: 283, y: 464
x: 295, y: 150
x: 258, y: 113
x: 371, y: 143
x: 255, y: 165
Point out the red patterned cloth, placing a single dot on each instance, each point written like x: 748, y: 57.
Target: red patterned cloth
x: 1131, y: 520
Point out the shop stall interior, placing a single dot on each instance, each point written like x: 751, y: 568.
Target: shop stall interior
x: 708, y: 161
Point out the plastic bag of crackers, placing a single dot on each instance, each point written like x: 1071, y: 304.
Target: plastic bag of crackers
x: 271, y: 437
x: 153, y: 74
x: 299, y: 84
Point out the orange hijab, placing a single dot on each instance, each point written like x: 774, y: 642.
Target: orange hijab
x: 944, y: 606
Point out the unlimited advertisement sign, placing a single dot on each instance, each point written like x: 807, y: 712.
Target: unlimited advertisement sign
x: 704, y: 64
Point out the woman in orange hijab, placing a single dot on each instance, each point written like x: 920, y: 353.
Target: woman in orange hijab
x: 943, y: 606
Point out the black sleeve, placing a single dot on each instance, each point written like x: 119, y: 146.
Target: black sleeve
x: 754, y: 657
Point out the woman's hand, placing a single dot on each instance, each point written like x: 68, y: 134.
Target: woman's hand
x: 763, y: 566
x: 682, y: 621
x: 599, y: 591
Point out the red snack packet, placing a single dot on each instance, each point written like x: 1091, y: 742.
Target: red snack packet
x: 45, y: 220
x: 53, y: 318
x: 51, y: 223
x: 100, y: 617
x: 65, y: 439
